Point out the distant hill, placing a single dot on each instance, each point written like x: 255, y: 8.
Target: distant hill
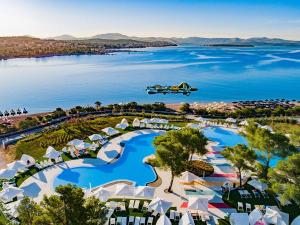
x: 256, y: 41
x: 64, y: 37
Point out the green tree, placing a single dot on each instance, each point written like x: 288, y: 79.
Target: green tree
x: 28, y: 210
x: 171, y: 154
x: 98, y: 104
x: 269, y: 144
x: 285, y: 178
x: 185, y: 108
x: 241, y: 157
x: 96, y: 211
x: 43, y: 219
x: 54, y: 208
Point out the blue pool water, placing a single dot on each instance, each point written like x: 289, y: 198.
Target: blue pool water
x: 129, y: 166
x: 227, y: 138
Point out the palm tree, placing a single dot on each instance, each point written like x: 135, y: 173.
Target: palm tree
x: 25, y: 111
x: 19, y: 112
x: 98, y: 104
x: 6, y: 113
x: 12, y: 112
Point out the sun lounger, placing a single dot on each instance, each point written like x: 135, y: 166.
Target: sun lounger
x: 112, y: 221
x: 131, y: 204
x: 177, y: 215
x: 248, y: 195
x: 145, y: 205
x: 256, y: 193
x: 143, y: 221
x: 240, y: 207
x: 172, y: 214
x: 137, y: 220
x: 131, y: 220
x: 242, y: 195
x: 136, y: 204
x: 109, y: 213
x: 154, y: 213
x: 124, y: 221
x: 248, y: 208
x: 119, y: 220
x: 150, y: 221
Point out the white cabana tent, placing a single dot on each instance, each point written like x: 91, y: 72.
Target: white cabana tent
x: 144, y: 191
x: 198, y: 203
x: 75, y: 142
x: 244, y: 123
x: 188, y: 177
x: 258, y: 185
x: 230, y: 120
x: 7, y: 174
x: 274, y: 216
x: 136, y: 122
x: 124, y: 190
x: 296, y: 221
x: 163, y: 220
x: 145, y: 121
x: 17, y: 165
x: 96, y: 137
x: 110, y: 131
x: 186, y: 219
x: 239, y: 219
x: 102, y: 194
x: 254, y: 216
x: 28, y: 160
x: 124, y: 121
x: 122, y: 126
x: 10, y: 192
x: 159, y: 205
x: 51, y: 153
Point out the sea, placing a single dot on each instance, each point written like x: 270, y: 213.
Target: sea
x: 220, y: 73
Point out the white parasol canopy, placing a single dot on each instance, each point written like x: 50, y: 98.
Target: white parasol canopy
x: 194, y: 126
x: 51, y: 153
x: 144, y: 191
x: 124, y: 121
x: 296, y: 221
x: 163, y: 220
x: 159, y: 205
x: 254, y: 216
x: 136, y: 122
x: 230, y: 120
x: 28, y: 160
x: 124, y: 190
x: 186, y: 219
x: 83, y: 145
x: 201, y: 119
x: 198, y: 203
x: 102, y: 194
x: 9, y: 193
x: 189, y: 177
x: 8, y: 174
x: 75, y: 142
x: 96, y: 137
x: 239, y: 219
x: 17, y: 165
x: 122, y: 126
x: 145, y: 120
x: 275, y: 216
x: 110, y: 131
x: 258, y: 185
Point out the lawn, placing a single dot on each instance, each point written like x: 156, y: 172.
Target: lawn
x: 293, y: 210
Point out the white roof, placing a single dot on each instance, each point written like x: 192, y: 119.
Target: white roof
x: 186, y: 219
x: 7, y: 174
x: 144, y: 191
x: 28, y: 160
x: 17, y: 165
x: 189, y: 177
x: 255, y: 216
x: 136, y: 122
x: 75, y: 142
x: 124, y: 121
x: 51, y: 153
x: 124, y: 190
x: 83, y: 145
x: 163, y: 220
x: 10, y: 192
x: 110, y: 131
x: 296, y: 221
x: 258, y: 185
x: 230, y: 120
x: 159, y: 205
x: 122, y: 126
x: 198, y: 203
x: 95, y: 137
x: 275, y: 216
x: 102, y: 194
x: 239, y: 219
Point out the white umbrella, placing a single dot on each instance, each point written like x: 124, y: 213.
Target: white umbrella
x: 230, y: 120
x: 51, y: 153
x: 163, y: 220
x: 9, y: 193
x: 274, y: 216
x: 122, y: 126
x: 17, y: 165
x: 8, y: 174
x: 136, y: 122
x: 145, y: 120
x: 269, y: 128
x: 110, y: 131
x: 124, y: 121
x: 255, y: 216
x: 194, y: 126
x: 186, y: 219
x: 258, y: 185
x: 189, y: 177
x: 102, y: 194
x: 144, y: 191
x: 28, y: 160
x: 75, y: 142
x: 95, y: 137
x: 201, y: 119
x: 83, y: 145
x: 296, y: 221
x: 239, y: 219
x: 159, y: 205
x: 124, y: 190
x: 198, y: 203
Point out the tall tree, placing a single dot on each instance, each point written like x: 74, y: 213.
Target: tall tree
x: 269, y: 145
x: 27, y: 211
x: 241, y: 157
x: 98, y: 104
x: 185, y: 108
x: 96, y: 211
x: 285, y: 178
x: 171, y: 154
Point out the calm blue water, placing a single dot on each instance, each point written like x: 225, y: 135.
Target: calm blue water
x: 129, y: 166
x: 221, y: 74
x: 227, y: 138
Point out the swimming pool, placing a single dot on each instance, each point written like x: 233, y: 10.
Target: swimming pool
x: 129, y: 166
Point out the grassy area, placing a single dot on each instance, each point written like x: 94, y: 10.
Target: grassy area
x: 20, y: 178
x: 293, y: 210
x: 3, y: 220
x: 141, y: 213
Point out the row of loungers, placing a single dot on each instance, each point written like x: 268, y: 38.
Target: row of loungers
x: 159, y: 126
x: 47, y: 163
x: 248, y: 207
x: 256, y: 193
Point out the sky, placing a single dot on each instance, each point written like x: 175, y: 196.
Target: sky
x: 156, y: 18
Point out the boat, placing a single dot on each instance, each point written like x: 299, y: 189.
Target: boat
x: 183, y: 88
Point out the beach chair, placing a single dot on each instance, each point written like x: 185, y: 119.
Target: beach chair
x: 240, y: 207
x: 131, y: 204
x: 143, y: 221
x: 150, y: 221
x: 137, y: 220
x: 119, y: 220
x: 130, y: 220
x: 177, y: 216
x: 256, y: 193
x: 112, y: 221
x: 124, y: 221
x: 172, y: 214
x: 242, y: 195
x: 248, y: 208
x: 247, y: 194
x: 154, y: 213
x: 145, y: 205
x: 136, y: 204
